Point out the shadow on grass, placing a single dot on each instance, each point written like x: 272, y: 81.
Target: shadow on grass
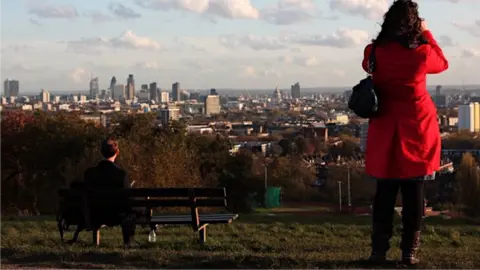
x: 262, y: 262
x: 340, y: 219
x: 85, y: 259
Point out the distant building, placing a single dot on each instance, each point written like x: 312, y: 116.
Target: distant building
x: 153, y: 92
x: 176, y: 92
x: 169, y: 114
x: 130, y: 91
x: 164, y: 97
x: 212, y: 105
x: 363, y: 136
x: 45, y: 96
x: 466, y: 117
x: 296, y: 90
x: 213, y: 92
x: 94, y: 88
x: 119, y: 92
x: 113, y: 82
x: 11, y: 88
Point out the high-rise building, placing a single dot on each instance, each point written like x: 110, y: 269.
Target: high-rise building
x: 176, y: 91
x: 153, y: 92
x: 296, y: 90
x: 130, y: 93
x: 467, y: 116
x: 119, y: 92
x: 164, y: 97
x: 11, y: 88
x: 169, y: 114
x: 363, y: 136
x: 144, y: 87
x: 439, y: 99
x: 212, y: 104
x: 94, y: 88
x: 213, y: 92
x: 45, y: 96
x: 476, y: 115
x: 113, y: 82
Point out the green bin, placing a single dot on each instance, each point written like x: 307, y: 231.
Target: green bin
x: 272, y: 197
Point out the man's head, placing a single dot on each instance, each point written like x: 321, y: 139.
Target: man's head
x: 109, y: 149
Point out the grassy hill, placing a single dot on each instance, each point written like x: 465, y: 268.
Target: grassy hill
x: 262, y: 240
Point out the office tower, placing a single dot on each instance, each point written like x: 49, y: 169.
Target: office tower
x: 169, y: 114
x: 164, y: 97
x: 176, y: 91
x: 296, y: 90
x: 153, y: 92
x: 363, y: 136
x: 476, y: 117
x: 119, y: 92
x: 466, y: 117
x: 144, y: 87
x: 213, y: 92
x: 130, y: 91
x: 11, y: 88
x: 94, y: 88
x: 212, y: 104
x: 113, y: 82
x: 45, y: 96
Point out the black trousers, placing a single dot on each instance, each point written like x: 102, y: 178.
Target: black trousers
x: 412, y: 203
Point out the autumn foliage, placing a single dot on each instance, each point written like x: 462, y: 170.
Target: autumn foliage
x: 43, y: 152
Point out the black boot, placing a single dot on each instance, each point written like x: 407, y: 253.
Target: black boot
x: 410, y: 245
x: 380, y: 242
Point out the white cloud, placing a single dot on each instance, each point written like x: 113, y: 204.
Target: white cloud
x: 342, y: 38
x: 230, y: 9
x: 147, y: 65
x: 473, y: 29
x: 369, y: 9
x: 127, y: 40
x: 308, y: 61
x: 78, y: 75
x: 43, y: 10
x: 253, y: 42
x: 470, y: 52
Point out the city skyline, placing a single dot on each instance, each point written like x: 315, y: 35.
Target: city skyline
x: 209, y: 44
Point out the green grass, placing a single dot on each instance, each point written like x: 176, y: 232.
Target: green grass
x: 286, y: 240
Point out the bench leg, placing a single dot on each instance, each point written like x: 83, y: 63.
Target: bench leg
x: 96, y: 236
x: 202, y: 233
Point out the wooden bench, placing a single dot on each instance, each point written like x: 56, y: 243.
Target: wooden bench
x: 151, y: 198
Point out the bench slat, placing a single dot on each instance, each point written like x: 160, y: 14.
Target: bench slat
x: 152, y: 203
x: 150, y: 192
x: 186, y: 219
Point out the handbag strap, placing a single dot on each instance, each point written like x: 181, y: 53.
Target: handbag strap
x: 372, y: 61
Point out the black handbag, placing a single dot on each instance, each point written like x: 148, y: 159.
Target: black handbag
x: 364, y: 100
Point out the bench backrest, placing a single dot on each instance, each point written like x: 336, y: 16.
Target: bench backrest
x: 151, y: 197
x: 148, y: 198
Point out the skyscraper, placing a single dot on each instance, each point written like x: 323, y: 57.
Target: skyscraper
x: 113, y: 82
x: 153, y: 92
x: 45, y: 96
x: 176, y: 91
x: 212, y: 104
x: 11, y: 88
x: 94, y: 88
x: 130, y: 87
x: 466, y: 117
x: 296, y: 90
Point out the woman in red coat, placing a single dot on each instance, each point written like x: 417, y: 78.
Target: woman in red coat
x: 403, y: 144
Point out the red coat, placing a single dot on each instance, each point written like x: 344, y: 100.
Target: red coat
x: 404, y: 140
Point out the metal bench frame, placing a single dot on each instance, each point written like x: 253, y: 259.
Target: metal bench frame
x: 150, y: 198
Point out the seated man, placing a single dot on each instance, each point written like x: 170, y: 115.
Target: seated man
x: 107, y: 176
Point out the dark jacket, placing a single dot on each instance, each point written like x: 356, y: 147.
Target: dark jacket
x: 107, y: 176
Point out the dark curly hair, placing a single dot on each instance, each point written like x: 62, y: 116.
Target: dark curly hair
x: 402, y: 24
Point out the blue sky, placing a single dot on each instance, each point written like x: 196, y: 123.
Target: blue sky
x: 59, y: 44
